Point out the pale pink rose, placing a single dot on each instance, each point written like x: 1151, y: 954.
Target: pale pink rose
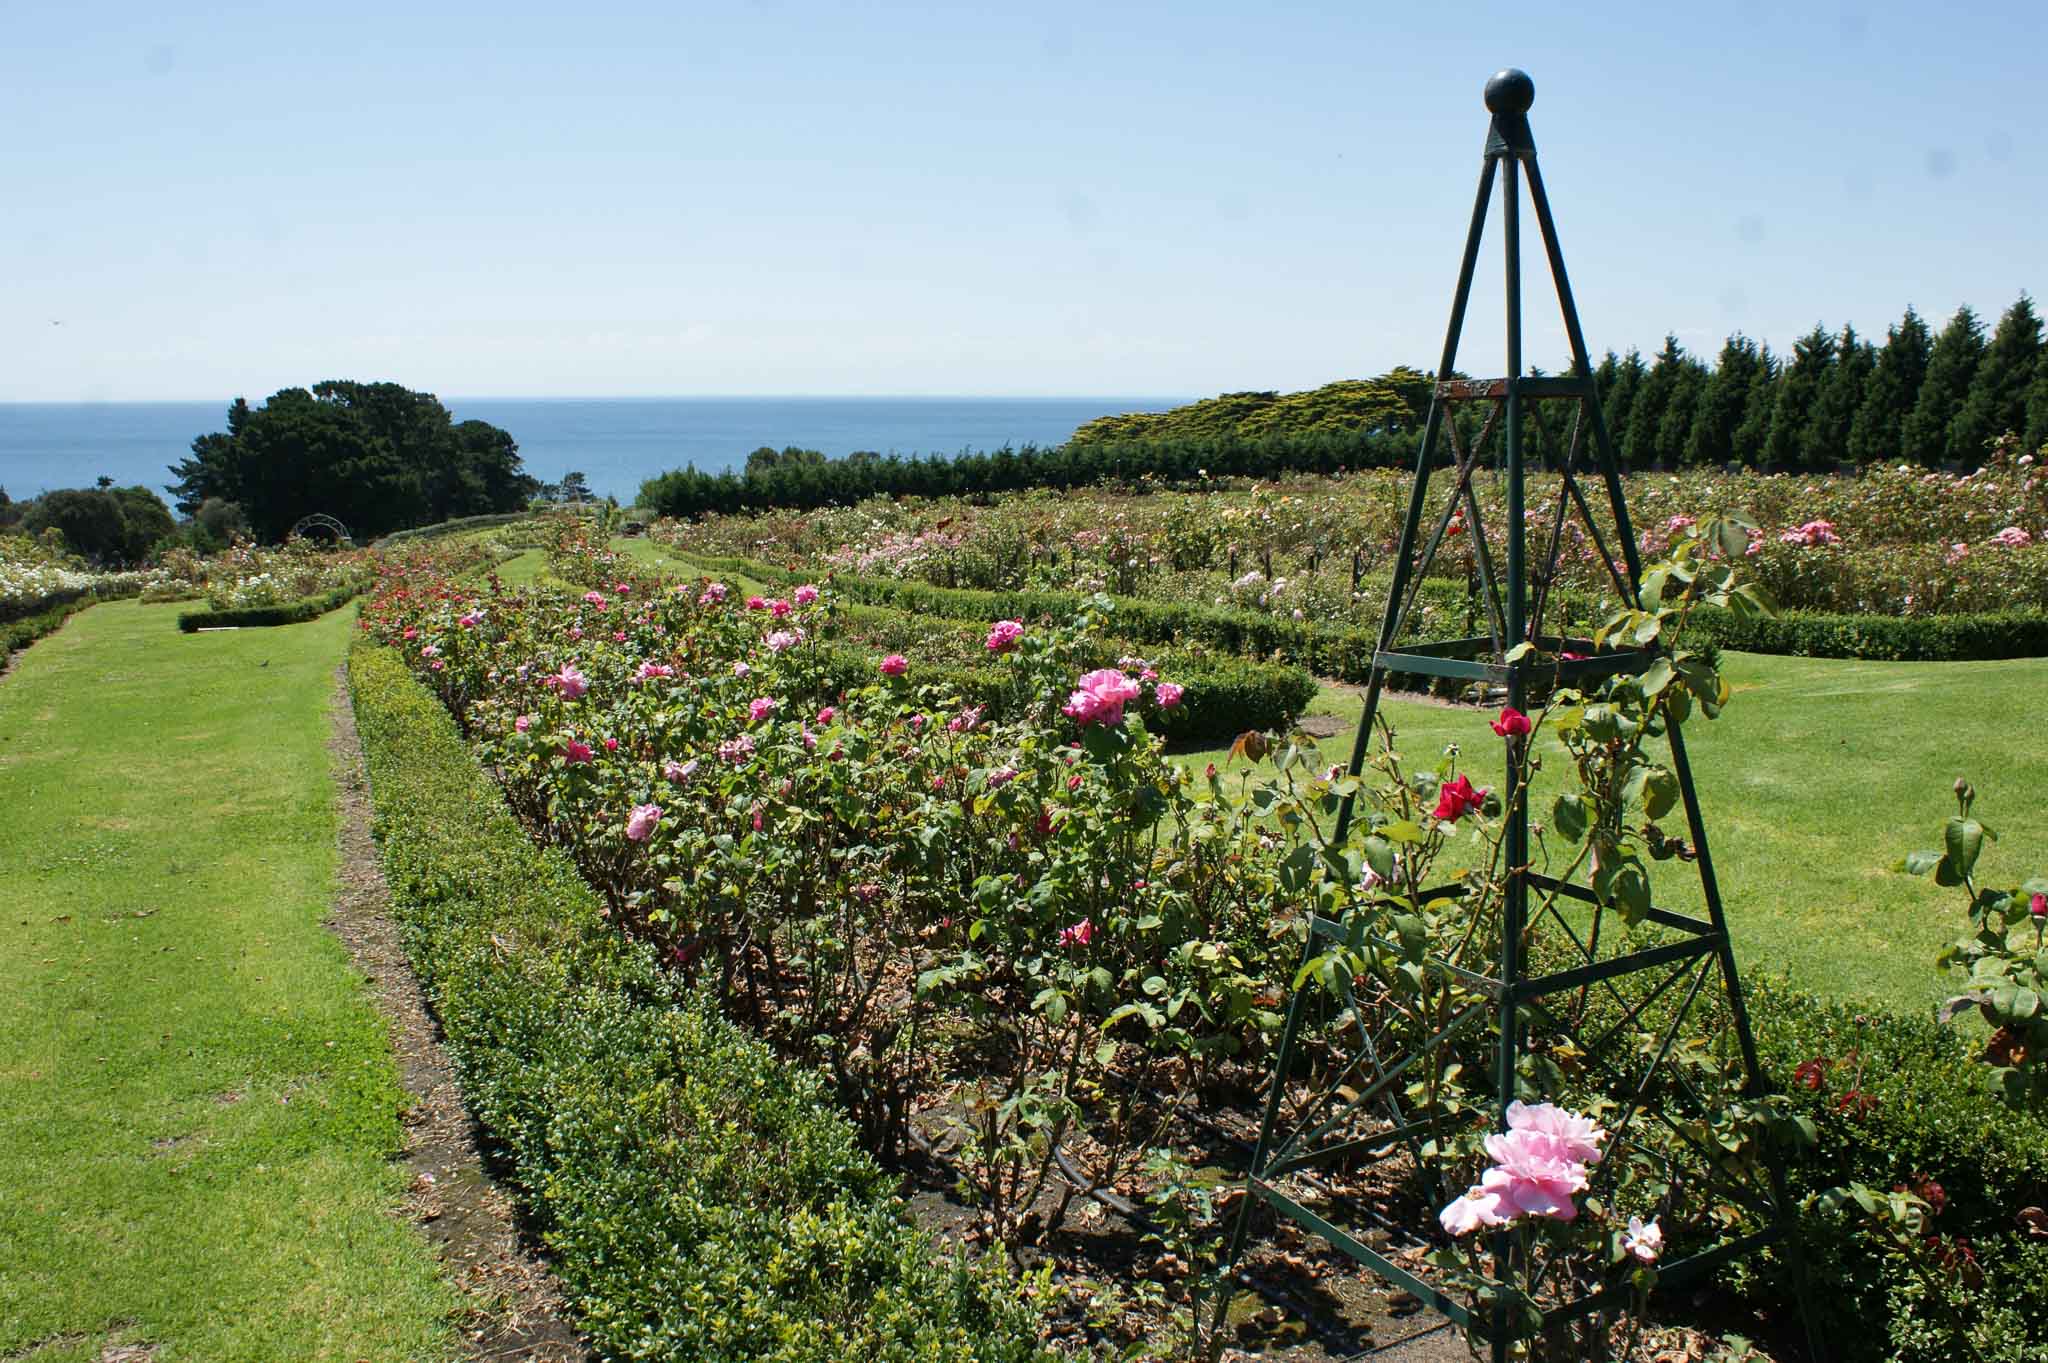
x: 569, y: 683
x: 782, y: 640
x: 1477, y: 1208
x: 1004, y: 634
x: 678, y: 772
x: 1533, y: 1175
x: 523, y: 723
x: 2012, y: 537
x: 736, y: 750
x: 740, y: 669
x: 1169, y: 694
x: 640, y: 823
x: 1645, y: 1240
x: 712, y: 594
x: 1578, y: 1138
x: 429, y: 651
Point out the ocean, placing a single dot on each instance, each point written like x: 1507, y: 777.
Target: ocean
x: 614, y: 442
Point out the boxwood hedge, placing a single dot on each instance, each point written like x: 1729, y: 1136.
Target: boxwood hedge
x: 24, y: 630
x: 257, y: 617
x: 703, y: 1200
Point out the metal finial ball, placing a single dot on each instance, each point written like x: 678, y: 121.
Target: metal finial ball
x: 1510, y: 92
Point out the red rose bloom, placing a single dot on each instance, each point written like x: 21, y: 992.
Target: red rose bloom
x: 1456, y: 800
x: 1512, y: 723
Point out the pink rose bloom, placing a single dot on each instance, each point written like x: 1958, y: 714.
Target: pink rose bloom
x: 2038, y: 906
x: 779, y: 608
x: 781, y: 640
x: 411, y: 633
x: 469, y: 621
x: 825, y: 715
x: 1578, y: 1137
x: 1004, y: 634
x: 436, y: 665
x: 611, y: 745
x: 1100, y: 696
x: 762, y: 707
x: 740, y: 669
x: 755, y: 603
x: 806, y: 594
x: 574, y: 752
x: 1478, y: 1207
x: 640, y: 823
x: 712, y: 594
x: 569, y: 684
x: 678, y: 772
x: 1169, y: 694
x: 1079, y: 935
x: 917, y: 724
x: 618, y: 636
x: 1533, y: 1176
x: 1644, y: 1240
x: 2012, y: 537
x: 650, y: 671
x: 810, y: 740
x: 623, y: 588
x: 1001, y: 776
x: 895, y: 665
x: 523, y: 723
x: 595, y: 598
x: 736, y: 750
x: 1512, y: 723
x: 429, y: 651
x: 965, y: 721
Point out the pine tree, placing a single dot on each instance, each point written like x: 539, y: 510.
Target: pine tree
x: 1826, y: 441
x: 2037, y: 406
x: 1616, y: 406
x: 1798, y: 391
x: 1679, y: 412
x: 1653, y: 395
x: 1997, y: 400
x: 1754, y: 432
x: 1875, y: 435
x: 1721, y: 405
x: 1951, y: 364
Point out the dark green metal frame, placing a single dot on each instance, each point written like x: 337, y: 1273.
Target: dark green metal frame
x: 1514, y: 614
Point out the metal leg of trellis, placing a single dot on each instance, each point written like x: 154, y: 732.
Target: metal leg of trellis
x: 1511, y: 150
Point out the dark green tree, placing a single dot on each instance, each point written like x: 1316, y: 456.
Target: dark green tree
x: 1826, y: 440
x: 1753, y: 433
x: 2037, y: 408
x: 115, y: 527
x: 1876, y: 434
x: 1646, y: 412
x: 1688, y: 385
x: 1722, y: 402
x: 377, y: 456
x: 1997, y: 400
x: 1797, y: 393
x: 1619, y: 397
x: 1951, y: 365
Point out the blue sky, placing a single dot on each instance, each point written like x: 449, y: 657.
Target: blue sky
x: 868, y: 198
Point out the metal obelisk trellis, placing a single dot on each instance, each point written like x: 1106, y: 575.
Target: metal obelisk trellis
x: 1324, y: 1129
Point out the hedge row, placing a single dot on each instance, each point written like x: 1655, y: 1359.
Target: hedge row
x: 702, y: 1199
x: 23, y: 607
x: 1901, y: 1100
x: 454, y: 527
x: 22, y: 631
x: 1882, y: 638
x: 257, y: 617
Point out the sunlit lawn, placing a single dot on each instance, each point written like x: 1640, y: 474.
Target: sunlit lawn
x: 197, y: 1096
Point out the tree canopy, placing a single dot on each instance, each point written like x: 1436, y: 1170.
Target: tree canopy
x: 115, y: 527
x: 376, y: 456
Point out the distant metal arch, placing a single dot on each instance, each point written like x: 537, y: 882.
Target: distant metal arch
x: 320, y: 520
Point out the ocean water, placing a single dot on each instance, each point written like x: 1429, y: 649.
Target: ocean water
x: 615, y: 442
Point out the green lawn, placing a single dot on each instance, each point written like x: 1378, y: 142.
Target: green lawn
x: 1815, y: 779
x: 197, y: 1098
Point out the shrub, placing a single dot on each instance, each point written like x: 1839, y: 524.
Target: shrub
x: 1882, y: 638
x: 703, y: 1200
x: 19, y: 633
x: 255, y: 617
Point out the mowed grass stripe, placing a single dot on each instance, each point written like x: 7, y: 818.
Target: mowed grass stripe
x: 197, y: 1097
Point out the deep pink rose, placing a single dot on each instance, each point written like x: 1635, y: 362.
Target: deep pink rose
x: 1100, y: 696
x: 575, y: 752
x: 1512, y: 723
x: 1004, y: 634
x: 806, y: 594
x: 1169, y: 694
x: 1079, y: 935
x: 895, y: 665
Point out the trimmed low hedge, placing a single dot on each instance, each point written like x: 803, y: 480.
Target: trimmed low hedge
x: 22, y: 631
x: 1881, y: 638
x: 1925, y: 1111
x: 454, y: 527
x: 703, y: 1199
x: 258, y: 617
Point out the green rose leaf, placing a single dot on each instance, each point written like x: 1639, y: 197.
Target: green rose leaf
x: 1568, y: 817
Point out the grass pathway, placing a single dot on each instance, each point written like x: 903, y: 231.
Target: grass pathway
x: 197, y: 1097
